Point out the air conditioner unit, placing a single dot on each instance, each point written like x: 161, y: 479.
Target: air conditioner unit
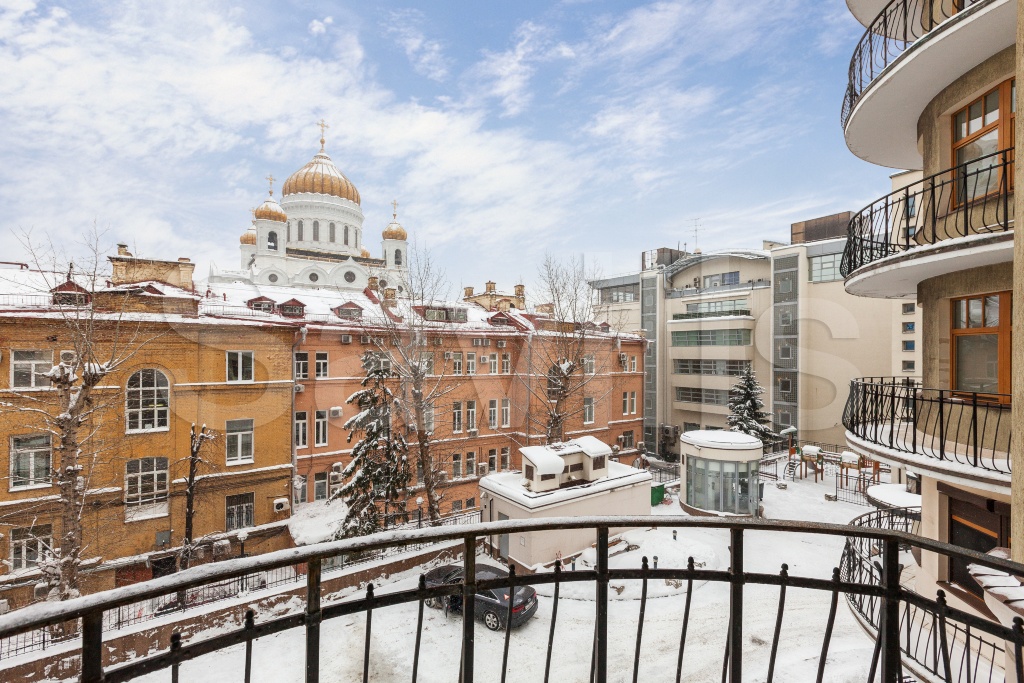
x: 280, y: 504
x: 442, y: 475
x: 299, y: 388
x: 501, y: 343
x: 696, y: 282
x: 335, y: 411
x: 346, y: 339
x: 69, y: 357
x: 40, y: 591
x: 471, y: 432
x: 481, y: 468
x: 485, y: 359
x: 336, y: 467
x: 622, y: 358
x: 448, y: 355
x: 438, y: 341
x: 5, y: 607
x: 364, y: 339
x: 335, y: 477
x: 666, y: 431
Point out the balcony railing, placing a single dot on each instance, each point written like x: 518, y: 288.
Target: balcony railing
x: 696, y: 315
x: 967, y: 428
x: 932, y: 641
x: 85, y: 615
x: 973, y: 198
x: 900, y: 24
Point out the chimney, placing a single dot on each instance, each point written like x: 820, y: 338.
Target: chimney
x: 520, y: 290
x: 467, y: 292
x: 122, y: 250
x: 371, y: 283
x: 389, y: 295
x: 490, y: 287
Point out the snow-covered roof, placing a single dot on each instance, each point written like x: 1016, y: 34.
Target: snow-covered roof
x: 545, y: 460
x: 548, y: 459
x: 720, y: 438
x: 691, y: 260
x: 509, y: 485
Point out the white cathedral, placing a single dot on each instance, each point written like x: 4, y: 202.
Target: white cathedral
x: 314, y: 236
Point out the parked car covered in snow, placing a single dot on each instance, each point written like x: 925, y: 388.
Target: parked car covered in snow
x: 491, y: 604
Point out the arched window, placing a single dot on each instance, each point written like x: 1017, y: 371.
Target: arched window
x: 148, y: 397
x: 316, y: 231
x: 332, y: 232
x: 272, y: 240
x: 398, y: 257
x: 288, y: 231
x: 299, y: 235
x: 346, y: 235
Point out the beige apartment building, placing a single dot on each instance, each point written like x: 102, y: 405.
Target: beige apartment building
x: 942, y: 104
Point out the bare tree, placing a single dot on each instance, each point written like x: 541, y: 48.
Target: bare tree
x: 568, y: 349
x: 414, y: 335
x: 197, y: 440
x: 98, y: 339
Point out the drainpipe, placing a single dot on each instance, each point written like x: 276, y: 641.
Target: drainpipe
x: 1017, y: 348
x: 299, y: 338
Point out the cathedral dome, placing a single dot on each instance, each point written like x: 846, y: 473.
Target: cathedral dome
x: 365, y: 253
x: 270, y: 210
x: 248, y: 237
x: 394, y: 231
x: 321, y: 176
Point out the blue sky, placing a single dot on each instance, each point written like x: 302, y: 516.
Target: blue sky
x: 505, y: 130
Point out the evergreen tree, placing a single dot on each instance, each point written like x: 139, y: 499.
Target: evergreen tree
x: 747, y: 409
x: 379, y: 467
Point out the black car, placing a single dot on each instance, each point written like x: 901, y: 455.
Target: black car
x: 491, y: 603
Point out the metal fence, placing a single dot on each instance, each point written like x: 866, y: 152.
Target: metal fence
x: 880, y: 586
x: 218, y: 591
x: 973, y: 198
x: 900, y: 24
x: 970, y: 428
x: 932, y: 636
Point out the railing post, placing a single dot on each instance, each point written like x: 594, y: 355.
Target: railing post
x: 932, y: 203
x: 974, y: 426
x: 92, y: 647
x: 601, y: 626
x: 1006, y: 192
x: 468, y: 608
x: 889, y: 627
x: 892, y: 413
x: 913, y: 419
x: 942, y: 427
x: 736, y: 579
x: 313, y: 618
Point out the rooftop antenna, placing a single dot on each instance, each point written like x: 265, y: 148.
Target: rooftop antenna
x: 697, y: 228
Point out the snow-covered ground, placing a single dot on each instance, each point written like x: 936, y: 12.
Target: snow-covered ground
x: 281, y: 657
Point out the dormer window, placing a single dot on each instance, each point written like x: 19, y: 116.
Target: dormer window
x: 446, y: 314
x: 349, y: 312
x: 293, y: 309
x: 262, y: 304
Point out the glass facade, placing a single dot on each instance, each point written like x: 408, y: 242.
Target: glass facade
x: 722, y: 486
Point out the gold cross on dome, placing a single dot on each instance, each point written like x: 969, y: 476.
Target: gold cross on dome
x: 394, y: 207
x: 323, y: 126
x: 271, y: 179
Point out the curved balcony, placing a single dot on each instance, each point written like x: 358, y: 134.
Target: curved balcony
x: 607, y: 657
x: 932, y: 645
x: 951, y: 435
x: 910, y: 51
x: 865, y: 11
x: 964, y: 213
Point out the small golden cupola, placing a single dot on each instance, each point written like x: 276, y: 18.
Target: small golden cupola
x: 394, y: 229
x: 321, y: 176
x: 270, y: 210
x: 365, y: 253
x: 248, y: 237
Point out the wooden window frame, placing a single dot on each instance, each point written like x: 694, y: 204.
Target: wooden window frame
x: 1004, y: 335
x: 1004, y: 124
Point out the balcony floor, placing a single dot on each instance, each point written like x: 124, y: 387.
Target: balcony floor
x: 279, y: 658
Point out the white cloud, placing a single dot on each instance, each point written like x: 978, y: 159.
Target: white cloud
x: 318, y: 27
x: 426, y: 56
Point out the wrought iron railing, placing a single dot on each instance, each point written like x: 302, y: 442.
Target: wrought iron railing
x: 969, y: 428
x: 932, y: 640
x: 696, y: 315
x: 973, y: 198
x: 84, y: 616
x: 900, y: 24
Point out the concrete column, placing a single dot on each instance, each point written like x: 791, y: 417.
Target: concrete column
x: 1017, y: 443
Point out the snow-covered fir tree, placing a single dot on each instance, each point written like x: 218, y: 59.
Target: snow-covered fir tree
x: 746, y: 409
x: 379, y: 468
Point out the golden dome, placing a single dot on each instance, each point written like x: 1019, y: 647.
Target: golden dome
x: 395, y: 231
x: 270, y: 210
x: 321, y: 176
x: 365, y: 253
x: 248, y: 237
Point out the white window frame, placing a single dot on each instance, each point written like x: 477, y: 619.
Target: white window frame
x: 300, y: 493
x: 589, y: 366
x: 238, y: 362
x: 505, y: 452
x: 632, y: 403
x: 492, y: 460
x: 457, y: 417
x: 492, y: 413
x: 457, y: 362
x: 300, y: 430
x: 301, y: 364
x: 156, y: 473
x: 588, y: 410
x: 149, y: 399
x: 235, y: 443
x: 470, y: 463
x: 493, y: 360
x: 471, y: 416
x: 428, y: 418
x: 506, y: 412
x: 321, y: 368
x: 321, y: 486
x: 37, y: 378
x: 632, y: 363
x: 456, y: 465
x: 625, y: 403
x: 32, y: 453
x: 506, y: 363
x: 470, y: 363
x: 320, y: 428
x: 26, y: 538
